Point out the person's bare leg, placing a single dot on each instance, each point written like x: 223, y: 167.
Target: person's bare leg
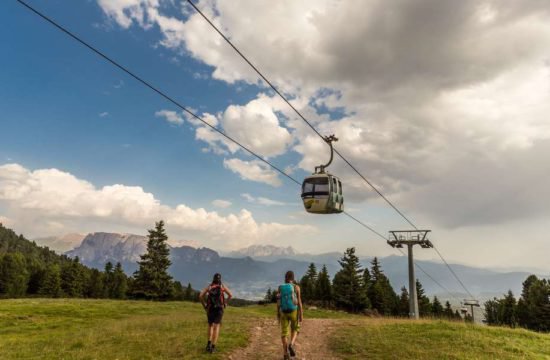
x: 216, y: 333
x: 293, y: 336
x: 285, y: 344
x: 210, y: 331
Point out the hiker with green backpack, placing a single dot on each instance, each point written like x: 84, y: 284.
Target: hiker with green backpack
x: 213, y: 299
x: 290, y: 313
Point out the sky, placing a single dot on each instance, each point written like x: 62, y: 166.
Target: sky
x: 443, y: 105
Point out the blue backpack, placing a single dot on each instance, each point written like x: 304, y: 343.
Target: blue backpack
x: 289, y: 303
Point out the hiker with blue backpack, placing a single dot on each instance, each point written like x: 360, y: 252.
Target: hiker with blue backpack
x: 290, y: 313
x: 213, y: 299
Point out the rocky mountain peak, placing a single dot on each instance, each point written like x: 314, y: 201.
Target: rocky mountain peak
x: 266, y: 251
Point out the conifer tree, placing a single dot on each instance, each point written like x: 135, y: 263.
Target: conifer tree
x: 267, y: 297
x: 96, y: 285
x: 324, y: 287
x: 14, y: 277
x: 404, y: 302
x: 119, y: 284
x: 108, y: 279
x: 178, y: 293
x: 507, y: 313
x: 533, y: 309
x: 424, y: 306
x: 348, y: 289
x: 189, y: 293
x: 437, y: 308
x: 152, y: 280
x: 72, y: 278
x: 381, y: 294
x: 307, y: 284
x: 51, y: 284
x: 457, y: 315
x: 448, y: 311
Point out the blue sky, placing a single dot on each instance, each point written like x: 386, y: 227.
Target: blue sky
x: 66, y: 108
x: 417, y: 120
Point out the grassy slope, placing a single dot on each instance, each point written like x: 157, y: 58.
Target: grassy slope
x: 99, y: 329
x: 402, y: 339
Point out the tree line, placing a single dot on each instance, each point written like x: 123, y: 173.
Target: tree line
x: 28, y: 270
x: 531, y: 311
x: 355, y: 289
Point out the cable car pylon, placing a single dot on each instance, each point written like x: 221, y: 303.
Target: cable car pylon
x: 411, y: 238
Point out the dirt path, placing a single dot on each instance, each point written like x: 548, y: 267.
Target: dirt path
x: 312, y: 343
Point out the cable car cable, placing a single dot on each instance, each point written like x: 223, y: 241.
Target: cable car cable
x: 147, y: 84
x: 274, y: 88
x: 452, y: 271
x: 188, y: 111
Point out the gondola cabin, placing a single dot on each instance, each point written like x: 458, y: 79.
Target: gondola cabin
x: 322, y: 194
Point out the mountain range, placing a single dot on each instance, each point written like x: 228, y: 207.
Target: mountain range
x: 61, y: 244
x: 250, y: 271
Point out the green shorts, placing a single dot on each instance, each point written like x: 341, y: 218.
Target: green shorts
x: 289, y: 321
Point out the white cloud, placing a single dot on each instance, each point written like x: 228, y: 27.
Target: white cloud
x: 253, y: 170
x: 257, y: 126
x: 423, y: 91
x: 171, y: 116
x: 262, y: 200
x: 6, y: 221
x: 119, y: 85
x: 103, y: 114
x: 221, y: 203
x: 49, y: 202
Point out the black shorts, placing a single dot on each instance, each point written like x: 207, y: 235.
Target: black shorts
x: 214, y: 316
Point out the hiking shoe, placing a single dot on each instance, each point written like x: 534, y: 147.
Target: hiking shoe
x: 287, y: 357
x: 213, y: 349
x: 209, y: 348
x: 291, y: 351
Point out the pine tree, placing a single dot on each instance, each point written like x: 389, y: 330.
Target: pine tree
x: 51, y: 285
x: 448, y: 312
x: 533, y: 309
x: 178, y: 293
x: 72, y: 278
x: 96, y: 285
x: 324, y: 287
x: 367, y: 280
x: 437, y: 308
x: 189, y: 293
x: 37, y: 272
x: 424, y: 306
x: 381, y: 294
x: 307, y: 284
x: 267, y: 297
x: 152, y: 280
x: 404, y: 302
x: 108, y: 280
x: 119, y: 284
x: 457, y: 315
x: 14, y: 276
x: 348, y: 289
x: 507, y: 310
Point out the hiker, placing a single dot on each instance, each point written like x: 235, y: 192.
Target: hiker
x: 213, y: 299
x: 289, y: 313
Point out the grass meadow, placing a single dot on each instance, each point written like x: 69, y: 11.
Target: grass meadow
x: 436, y: 339
x: 111, y: 329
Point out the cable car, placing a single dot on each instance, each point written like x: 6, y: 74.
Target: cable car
x: 322, y: 192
